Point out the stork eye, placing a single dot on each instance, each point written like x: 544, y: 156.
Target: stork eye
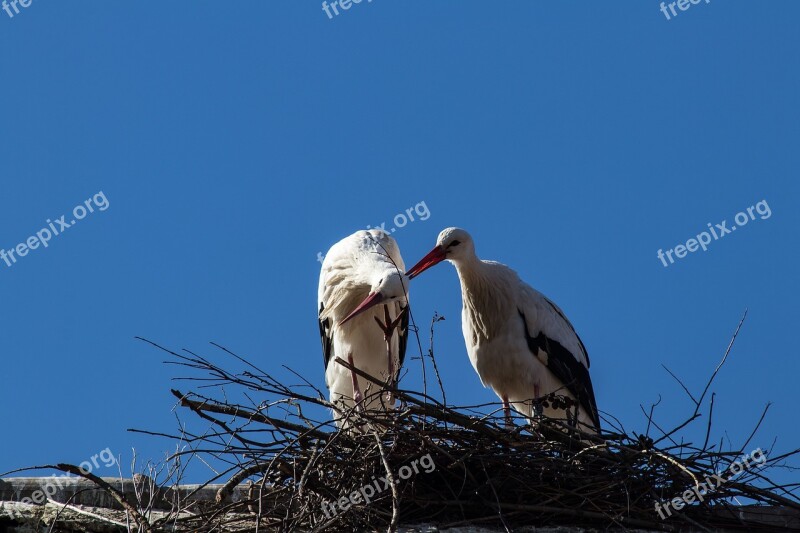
x: 455, y: 243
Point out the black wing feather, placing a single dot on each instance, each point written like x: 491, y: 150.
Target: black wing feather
x: 566, y: 367
x: 555, y: 308
x: 326, y: 337
x: 403, y: 334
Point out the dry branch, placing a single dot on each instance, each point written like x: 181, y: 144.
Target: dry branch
x: 546, y: 474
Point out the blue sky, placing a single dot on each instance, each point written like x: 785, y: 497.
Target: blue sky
x: 235, y: 141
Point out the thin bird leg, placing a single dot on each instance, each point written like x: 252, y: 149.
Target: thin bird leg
x: 507, y: 412
x: 387, y: 337
x: 357, y: 396
x: 388, y: 327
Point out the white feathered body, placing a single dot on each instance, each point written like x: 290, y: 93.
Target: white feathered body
x: 348, y: 271
x: 500, y: 313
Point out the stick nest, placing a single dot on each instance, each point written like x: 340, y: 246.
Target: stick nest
x: 453, y: 466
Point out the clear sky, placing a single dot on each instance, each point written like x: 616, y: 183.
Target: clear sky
x: 234, y: 141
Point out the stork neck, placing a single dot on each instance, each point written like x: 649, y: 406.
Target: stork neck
x: 470, y: 268
x: 486, y: 300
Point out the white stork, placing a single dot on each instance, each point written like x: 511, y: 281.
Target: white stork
x: 360, y: 273
x: 519, y: 342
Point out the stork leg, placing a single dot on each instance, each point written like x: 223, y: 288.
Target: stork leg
x: 387, y: 337
x: 388, y: 327
x: 357, y: 396
x: 507, y: 412
x: 391, y: 380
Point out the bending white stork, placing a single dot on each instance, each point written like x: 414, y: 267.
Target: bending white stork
x: 360, y: 273
x: 519, y: 342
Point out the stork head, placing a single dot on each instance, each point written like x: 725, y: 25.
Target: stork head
x: 453, y: 244
x: 390, y: 286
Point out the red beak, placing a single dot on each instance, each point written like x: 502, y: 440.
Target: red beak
x: 373, y: 299
x: 434, y: 257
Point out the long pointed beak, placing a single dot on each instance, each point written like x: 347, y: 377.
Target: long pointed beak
x: 434, y: 257
x: 373, y: 299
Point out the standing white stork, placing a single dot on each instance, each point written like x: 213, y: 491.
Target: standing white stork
x: 361, y: 282
x: 519, y: 342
